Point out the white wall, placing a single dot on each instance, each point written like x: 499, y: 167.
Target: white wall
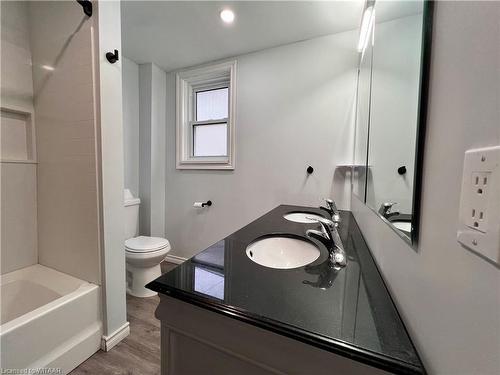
x: 109, y: 102
x: 294, y: 109
x: 394, y: 111
x: 130, y: 79
x: 449, y: 297
x: 18, y: 180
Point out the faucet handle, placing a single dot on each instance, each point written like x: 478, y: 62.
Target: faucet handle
x: 330, y: 203
x: 388, y: 206
x: 334, y: 210
x: 325, y: 222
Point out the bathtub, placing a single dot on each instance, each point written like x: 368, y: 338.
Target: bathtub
x: 48, y: 319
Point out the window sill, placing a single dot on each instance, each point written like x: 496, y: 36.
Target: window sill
x: 205, y: 166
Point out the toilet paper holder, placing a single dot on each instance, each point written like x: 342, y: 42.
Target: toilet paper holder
x: 202, y: 204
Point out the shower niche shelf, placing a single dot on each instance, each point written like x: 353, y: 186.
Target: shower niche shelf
x: 17, y: 136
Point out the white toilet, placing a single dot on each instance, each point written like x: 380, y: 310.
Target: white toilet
x: 142, y: 254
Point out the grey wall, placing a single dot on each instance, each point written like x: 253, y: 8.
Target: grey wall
x: 130, y: 82
x: 144, y: 97
x: 152, y: 118
x: 294, y: 109
x: 449, y: 298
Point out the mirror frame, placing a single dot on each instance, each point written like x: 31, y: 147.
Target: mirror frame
x: 423, y: 101
x: 428, y: 16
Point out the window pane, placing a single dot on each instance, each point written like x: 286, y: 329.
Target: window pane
x: 210, y: 140
x: 212, y: 104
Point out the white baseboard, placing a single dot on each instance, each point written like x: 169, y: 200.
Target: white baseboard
x: 175, y: 259
x: 108, y: 342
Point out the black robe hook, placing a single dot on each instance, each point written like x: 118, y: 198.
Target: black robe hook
x: 112, y: 57
x: 87, y: 7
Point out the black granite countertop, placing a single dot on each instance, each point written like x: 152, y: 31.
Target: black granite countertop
x: 347, y: 311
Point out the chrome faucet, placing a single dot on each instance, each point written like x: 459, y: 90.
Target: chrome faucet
x: 386, y: 210
x: 330, y: 237
x: 332, y: 210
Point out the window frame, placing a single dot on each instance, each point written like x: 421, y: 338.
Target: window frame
x: 188, y: 83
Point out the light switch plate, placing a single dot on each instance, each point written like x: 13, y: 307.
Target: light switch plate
x: 479, y: 227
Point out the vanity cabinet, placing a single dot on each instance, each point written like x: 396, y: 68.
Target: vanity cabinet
x: 223, y: 313
x: 197, y: 341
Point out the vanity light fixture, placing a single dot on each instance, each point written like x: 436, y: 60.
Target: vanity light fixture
x: 366, y: 26
x: 227, y: 16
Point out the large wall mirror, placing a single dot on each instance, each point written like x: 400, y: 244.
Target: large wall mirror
x: 390, y: 112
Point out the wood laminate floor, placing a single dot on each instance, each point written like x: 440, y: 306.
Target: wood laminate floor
x: 137, y: 354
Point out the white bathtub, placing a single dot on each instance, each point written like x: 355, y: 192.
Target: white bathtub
x: 48, y: 319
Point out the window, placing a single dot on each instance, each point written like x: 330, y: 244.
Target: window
x: 205, y: 117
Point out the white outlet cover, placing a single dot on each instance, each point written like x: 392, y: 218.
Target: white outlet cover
x: 479, y: 226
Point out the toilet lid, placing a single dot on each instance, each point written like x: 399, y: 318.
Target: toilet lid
x: 143, y: 244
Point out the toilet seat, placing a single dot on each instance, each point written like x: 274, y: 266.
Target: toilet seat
x: 144, y: 244
x: 143, y: 256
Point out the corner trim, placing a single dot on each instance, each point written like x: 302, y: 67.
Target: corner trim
x: 108, y: 342
x: 174, y: 259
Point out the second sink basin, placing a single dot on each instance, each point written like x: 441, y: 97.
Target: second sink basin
x: 282, y: 252
x: 402, y: 225
x: 302, y: 217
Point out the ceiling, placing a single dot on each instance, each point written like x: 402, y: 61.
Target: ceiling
x: 177, y: 34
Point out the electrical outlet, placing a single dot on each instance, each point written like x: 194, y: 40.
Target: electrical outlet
x: 479, y: 227
x: 477, y: 200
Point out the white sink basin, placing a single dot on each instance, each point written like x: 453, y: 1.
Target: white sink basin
x: 282, y: 252
x: 402, y: 225
x: 302, y: 217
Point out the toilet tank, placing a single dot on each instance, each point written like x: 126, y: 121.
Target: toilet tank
x: 131, y: 214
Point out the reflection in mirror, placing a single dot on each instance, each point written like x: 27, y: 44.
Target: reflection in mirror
x: 208, y: 271
x: 362, y: 122
x: 209, y: 281
x: 394, y: 111
x: 325, y: 272
x: 388, y: 126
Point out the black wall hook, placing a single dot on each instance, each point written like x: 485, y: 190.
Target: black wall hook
x: 87, y: 7
x: 402, y: 170
x: 310, y: 170
x: 207, y: 203
x: 112, y: 57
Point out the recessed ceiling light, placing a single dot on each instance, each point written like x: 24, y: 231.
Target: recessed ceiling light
x: 227, y: 15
